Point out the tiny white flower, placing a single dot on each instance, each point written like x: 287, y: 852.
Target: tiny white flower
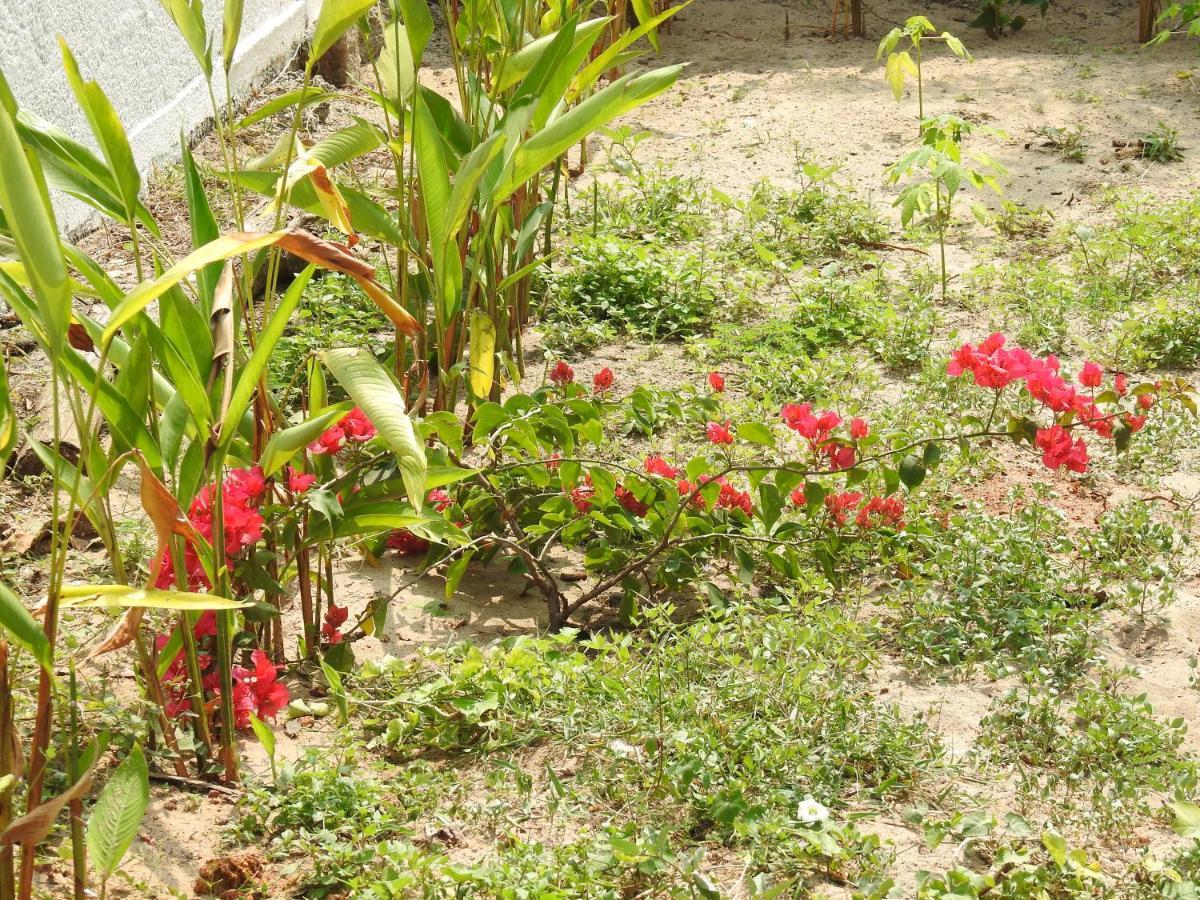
x: 810, y: 812
x: 621, y: 748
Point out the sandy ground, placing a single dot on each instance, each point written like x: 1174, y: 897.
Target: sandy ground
x: 750, y: 97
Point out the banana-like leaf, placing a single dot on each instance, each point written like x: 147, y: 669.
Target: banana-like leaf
x: 8, y: 419
x: 99, y: 596
x: 370, y: 386
x: 230, y: 32
x: 25, y: 204
x: 125, y: 424
x: 214, y: 251
x: 418, y: 25
x: 521, y: 63
x: 78, y: 487
x: 333, y: 20
x: 624, y: 94
x: 284, y: 101
x: 483, y: 354
x: 435, y: 195
x: 21, y: 627
x: 614, y: 54
x: 285, y: 444
x: 188, y: 16
x: 203, y: 224
x: 118, y: 813
x: 397, y: 70
x: 107, y: 129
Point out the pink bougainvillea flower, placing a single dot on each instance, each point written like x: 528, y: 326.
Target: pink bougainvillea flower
x: 840, y: 456
x: 718, y: 434
x: 439, y: 499
x: 405, y: 543
x: 859, y: 429
x: 335, y: 618
x: 602, y: 380
x: 562, y: 373
x: 1059, y: 450
x: 299, y: 482
x: 881, y: 511
x: 1121, y: 384
x: 716, y: 381
x: 1145, y: 401
x: 839, y: 505
x: 627, y: 499
x: 656, y: 465
x: 799, y: 497
x: 1135, y: 423
x: 582, y: 495
x: 330, y: 442
x: 1091, y: 374
x: 356, y: 426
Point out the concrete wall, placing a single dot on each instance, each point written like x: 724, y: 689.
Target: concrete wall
x: 131, y: 47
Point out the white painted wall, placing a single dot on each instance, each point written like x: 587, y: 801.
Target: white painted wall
x: 132, y: 49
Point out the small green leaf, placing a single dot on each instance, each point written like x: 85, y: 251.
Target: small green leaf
x: 1187, y: 818
x: 912, y: 471
x: 118, y: 813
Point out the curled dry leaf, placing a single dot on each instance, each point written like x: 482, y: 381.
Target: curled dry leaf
x: 220, y: 323
x: 333, y: 204
x: 32, y: 827
x: 337, y: 257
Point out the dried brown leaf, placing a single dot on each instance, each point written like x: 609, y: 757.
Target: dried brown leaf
x: 32, y: 827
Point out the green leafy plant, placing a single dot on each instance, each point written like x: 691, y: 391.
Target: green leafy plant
x: 901, y: 63
x: 996, y: 16
x: 942, y: 168
x: 117, y: 815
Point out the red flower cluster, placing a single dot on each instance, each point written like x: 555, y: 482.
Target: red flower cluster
x: 603, y: 380
x: 716, y: 381
x: 874, y: 513
x: 729, y: 497
x: 719, y: 434
x: 882, y: 511
x: 1058, y: 449
x: 256, y: 690
x: 241, y: 492
x: 335, y: 618
x: 299, y: 482
x: 994, y: 366
x: 404, y: 542
x: 354, y: 427
x: 818, y: 428
x: 627, y: 499
x: 562, y: 373
x: 656, y: 465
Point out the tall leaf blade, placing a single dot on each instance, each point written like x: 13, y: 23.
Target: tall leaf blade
x: 118, y: 813
x: 23, y: 628
x: 333, y: 20
x: 370, y: 386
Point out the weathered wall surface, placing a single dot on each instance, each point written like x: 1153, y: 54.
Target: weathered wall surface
x: 132, y: 49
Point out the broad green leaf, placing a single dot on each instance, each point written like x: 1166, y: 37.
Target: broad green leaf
x: 284, y: 101
x: 418, y: 24
x: 204, y: 228
x: 266, y: 737
x: 188, y: 16
x: 897, y: 67
x: 483, y: 354
x: 1187, y: 819
x: 397, y: 71
x: 8, y: 419
x: 93, y: 596
x: 118, y: 812
x: 608, y: 58
x: 25, y: 204
x: 285, y: 444
x: 107, y: 129
x: 333, y: 20
x: 525, y: 60
x: 214, y: 251
x: 231, y: 31
x: 370, y: 386
x: 912, y: 471
x: 21, y: 627
x: 1056, y: 846
x: 624, y: 94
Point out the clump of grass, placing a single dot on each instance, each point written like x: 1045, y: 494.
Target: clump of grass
x: 610, y: 286
x: 1162, y: 144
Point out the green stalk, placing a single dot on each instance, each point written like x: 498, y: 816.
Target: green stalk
x: 8, y: 886
x: 78, y: 846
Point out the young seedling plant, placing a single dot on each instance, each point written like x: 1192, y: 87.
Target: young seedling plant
x: 901, y: 63
x: 939, y: 166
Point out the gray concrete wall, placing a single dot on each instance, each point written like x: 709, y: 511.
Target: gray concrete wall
x: 131, y: 47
